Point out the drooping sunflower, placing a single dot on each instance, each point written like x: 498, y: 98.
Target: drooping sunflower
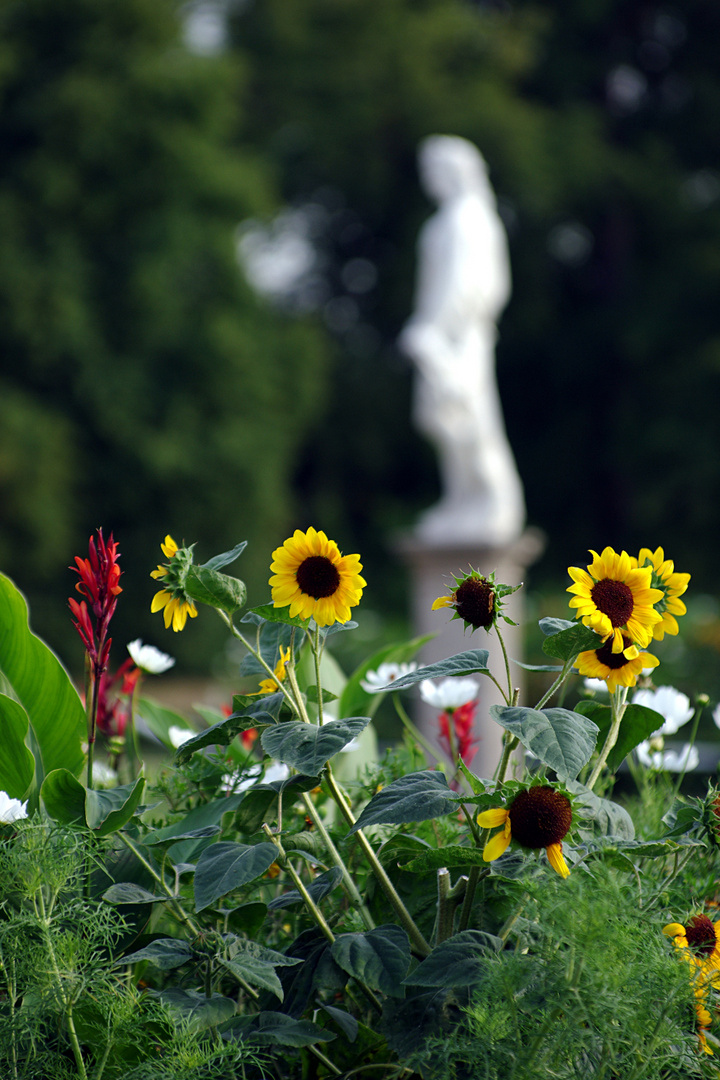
x: 699, y: 944
x: 538, y: 817
x: 315, y: 579
x: 616, y: 668
x: 615, y: 595
x: 172, y: 600
x: 672, y: 586
x: 270, y: 686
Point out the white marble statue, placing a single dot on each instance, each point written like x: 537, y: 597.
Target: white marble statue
x: 463, y: 284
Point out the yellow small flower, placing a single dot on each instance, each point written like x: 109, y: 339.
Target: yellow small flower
x: 315, y: 579
x: 672, y: 586
x: 269, y: 686
x: 698, y: 943
x: 617, y: 668
x: 538, y: 817
x: 615, y: 595
x: 175, y: 605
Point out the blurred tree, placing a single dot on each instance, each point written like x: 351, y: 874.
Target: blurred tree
x: 142, y: 385
x: 597, y: 120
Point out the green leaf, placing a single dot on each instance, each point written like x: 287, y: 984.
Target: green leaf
x: 605, y: 817
x: 196, y: 1010
x: 64, y: 797
x: 273, y: 637
x: 17, y: 764
x: 559, y: 738
x: 380, y: 958
x: 108, y: 811
x: 550, y: 626
x: 259, y: 713
x: 256, y: 965
x: 276, y: 1029
x: 451, y: 855
x: 419, y: 796
x: 164, y: 953
x: 355, y: 701
x: 308, y: 748
x: 459, y: 961
x: 227, y: 557
x: 570, y: 642
x: 312, y: 694
x: 261, y: 797
x: 318, y: 889
x: 160, y: 720
x: 193, y: 824
x: 226, y: 866
x: 125, y: 892
x: 472, y: 662
x: 270, y: 613
x: 42, y: 686
x: 638, y: 723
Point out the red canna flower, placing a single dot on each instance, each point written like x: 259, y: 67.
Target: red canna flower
x: 99, y: 584
x: 462, y: 719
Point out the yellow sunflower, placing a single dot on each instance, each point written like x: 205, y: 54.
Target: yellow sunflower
x: 671, y: 585
x: 315, y: 579
x: 613, y: 595
x: 269, y: 686
x: 538, y: 817
x: 617, y: 668
x: 175, y: 605
x: 699, y: 944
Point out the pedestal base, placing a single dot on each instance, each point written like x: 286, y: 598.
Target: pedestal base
x: 432, y: 568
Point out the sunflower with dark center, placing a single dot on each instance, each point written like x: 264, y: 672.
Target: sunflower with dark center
x: 476, y: 599
x: 615, y: 595
x: 538, y: 817
x: 698, y: 943
x: 672, y: 586
x: 315, y: 579
x: 616, y: 668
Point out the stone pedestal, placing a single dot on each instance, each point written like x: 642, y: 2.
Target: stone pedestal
x: 432, y: 568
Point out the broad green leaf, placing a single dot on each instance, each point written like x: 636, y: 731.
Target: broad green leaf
x: 42, y: 686
x: 273, y: 637
x: 108, y: 811
x: 191, y: 834
x: 217, y: 590
x: 260, y: 798
x: 308, y: 748
x: 226, y: 866
x: 226, y: 558
x: 259, y: 712
x: 64, y: 797
x: 196, y: 1010
x: 160, y: 720
x: 17, y: 764
x: 418, y: 796
x: 347, y: 1023
x: 458, y: 961
x: 125, y: 892
x: 450, y: 856
x: 559, y: 738
x: 570, y: 642
x: 202, y: 817
x: 276, y: 1029
x: 550, y: 626
x: 472, y: 662
x: 380, y: 958
x: 270, y: 613
x: 318, y: 889
x: 164, y: 953
x: 355, y: 701
x: 638, y: 723
x: 256, y: 964
x: 605, y: 817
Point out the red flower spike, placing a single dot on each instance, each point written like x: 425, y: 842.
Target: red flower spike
x: 99, y: 584
x: 462, y: 719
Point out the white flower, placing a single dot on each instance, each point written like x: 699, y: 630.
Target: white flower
x: 716, y: 715
x: 275, y: 771
x: 179, y: 735
x: 375, y: 682
x: 149, y: 658
x: 668, y: 760
x: 597, y: 686
x: 450, y: 693
x: 670, y: 703
x: 11, y: 809
x: 103, y: 775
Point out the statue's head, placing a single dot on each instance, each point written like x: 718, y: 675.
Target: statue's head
x: 451, y: 166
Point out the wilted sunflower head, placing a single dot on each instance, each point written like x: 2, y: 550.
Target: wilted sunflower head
x: 477, y: 600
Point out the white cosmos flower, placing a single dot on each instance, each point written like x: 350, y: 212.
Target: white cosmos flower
x: 668, y: 760
x: 597, y: 686
x: 11, y: 809
x: 450, y: 693
x: 375, y: 682
x: 670, y: 703
x: 716, y: 716
x: 179, y: 735
x: 103, y: 775
x: 149, y: 658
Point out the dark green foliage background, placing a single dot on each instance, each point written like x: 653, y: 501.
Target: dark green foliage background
x: 143, y: 387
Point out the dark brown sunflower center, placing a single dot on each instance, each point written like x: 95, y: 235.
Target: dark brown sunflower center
x: 540, y: 816
x: 610, y: 659
x: 701, y: 935
x: 317, y: 577
x: 614, y: 599
x: 475, y: 602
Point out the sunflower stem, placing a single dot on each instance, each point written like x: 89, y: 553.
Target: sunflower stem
x: 510, y: 693
x: 335, y: 857
x: 693, y: 735
x: 418, y: 941
x: 414, y: 732
x: 299, y: 885
x: 618, y: 703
